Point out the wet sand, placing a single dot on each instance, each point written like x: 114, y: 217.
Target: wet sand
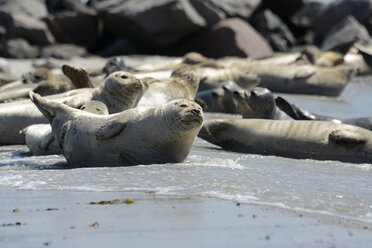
x: 67, y: 219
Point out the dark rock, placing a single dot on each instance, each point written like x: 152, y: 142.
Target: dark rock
x: 274, y: 30
x: 19, y: 48
x: 308, y: 14
x: 210, y: 13
x: 229, y: 37
x: 73, y: 27
x: 336, y: 11
x: 123, y: 46
x: 34, y: 8
x: 283, y: 8
x: 346, y: 31
x: 156, y: 23
x: 31, y: 29
x: 63, y: 51
x: 237, y: 8
x: 55, y: 6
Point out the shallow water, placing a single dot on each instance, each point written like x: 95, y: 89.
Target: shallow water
x: 322, y: 187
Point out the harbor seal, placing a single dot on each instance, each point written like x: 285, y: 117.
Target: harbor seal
x: 39, y: 137
x: 294, y: 139
x: 183, y: 83
x: 118, y: 94
x: 258, y: 103
x: 219, y: 99
x: 300, y: 114
x: 144, y: 135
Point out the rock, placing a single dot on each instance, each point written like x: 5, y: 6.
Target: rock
x: 337, y: 10
x: 63, y: 51
x: 308, y: 14
x: 34, y: 8
x: 156, y: 23
x: 346, y: 31
x: 73, y: 27
x: 236, y: 8
x: 19, y: 49
x: 229, y: 37
x: 123, y: 46
x: 55, y: 6
x: 283, y: 8
x: 31, y: 29
x: 274, y: 30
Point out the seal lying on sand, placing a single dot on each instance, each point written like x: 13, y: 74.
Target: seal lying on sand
x: 183, y: 83
x: 219, y: 99
x: 121, y: 93
x: 295, y: 139
x: 39, y: 137
x: 137, y: 136
x: 301, y: 114
x: 258, y: 103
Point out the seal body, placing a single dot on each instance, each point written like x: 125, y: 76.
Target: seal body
x: 183, y: 83
x: 294, y: 139
x: 258, y: 103
x: 136, y: 136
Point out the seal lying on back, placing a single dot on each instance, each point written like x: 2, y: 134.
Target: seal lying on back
x: 183, y: 83
x: 39, y: 137
x: 258, y: 103
x: 136, y: 136
x: 294, y: 139
x: 301, y: 114
x: 119, y: 92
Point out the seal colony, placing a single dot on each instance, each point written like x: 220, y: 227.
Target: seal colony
x: 113, y: 117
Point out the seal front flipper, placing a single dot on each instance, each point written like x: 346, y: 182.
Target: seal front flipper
x: 110, y: 129
x: 347, y: 136
x: 210, y: 128
x: 79, y: 77
x: 47, y: 141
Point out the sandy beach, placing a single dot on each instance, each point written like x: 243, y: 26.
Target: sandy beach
x: 69, y: 219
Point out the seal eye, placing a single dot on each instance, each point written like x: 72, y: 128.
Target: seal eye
x: 98, y: 110
x: 124, y: 76
x: 183, y: 105
x: 82, y: 108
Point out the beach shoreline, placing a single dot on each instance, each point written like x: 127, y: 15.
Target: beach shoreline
x: 79, y: 219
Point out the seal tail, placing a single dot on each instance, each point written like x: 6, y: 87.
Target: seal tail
x: 48, y: 108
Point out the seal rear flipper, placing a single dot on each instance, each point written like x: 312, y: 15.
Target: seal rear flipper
x: 110, y: 130
x: 292, y: 110
x: 46, y: 107
x: 348, y: 136
x: 79, y: 77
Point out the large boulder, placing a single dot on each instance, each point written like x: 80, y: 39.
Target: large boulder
x: 237, y: 8
x: 344, y: 32
x: 29, y: 28
x: 274, y: 30
x: 19, y: 49
x: 156, y: 23
x: 337, y: 10
x: 55, y: 6
x: 229, y: 37
x: 34, y: 8
x: 74, y: 27
x: 283, y: 8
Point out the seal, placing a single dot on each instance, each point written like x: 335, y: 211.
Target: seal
x: 119, y: 92
x: 144, y: 135
x: 39, y: 137
x: 258, y: 103
x: 183, y: 83
x: 300, y: 114
x: 294, y: 139
x: 219, y: 99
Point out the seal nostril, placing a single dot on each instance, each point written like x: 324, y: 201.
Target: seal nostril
x: 195, y: 111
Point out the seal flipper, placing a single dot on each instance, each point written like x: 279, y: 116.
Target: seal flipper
x: 46, y: 141
x: 347, y: 136
x: 79, y: 77
x: 110, y: 130
x: 210, y: 128
x: 292, y: 110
